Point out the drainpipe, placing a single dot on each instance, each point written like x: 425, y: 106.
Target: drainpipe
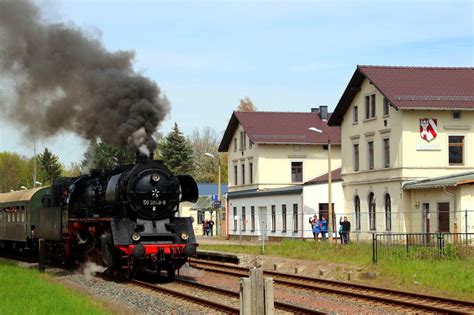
x: 454, y: 212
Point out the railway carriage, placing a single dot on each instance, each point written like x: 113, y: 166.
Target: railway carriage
x: 19, y: 214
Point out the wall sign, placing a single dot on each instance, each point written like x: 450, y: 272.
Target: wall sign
x: 428, y: 128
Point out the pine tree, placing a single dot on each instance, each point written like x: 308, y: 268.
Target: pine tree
x: 177, y: 153
x: 50, y: 166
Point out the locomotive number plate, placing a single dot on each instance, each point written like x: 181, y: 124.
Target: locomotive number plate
x: 154, y: 202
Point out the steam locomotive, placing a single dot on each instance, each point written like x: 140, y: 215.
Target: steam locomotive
x: 124, y: 219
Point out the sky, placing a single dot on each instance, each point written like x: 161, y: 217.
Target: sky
x: 284, y: 55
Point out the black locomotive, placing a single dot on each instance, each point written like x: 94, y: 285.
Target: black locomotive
x: 124, y: 219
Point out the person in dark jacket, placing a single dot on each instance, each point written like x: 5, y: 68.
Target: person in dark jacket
x: 345, y: 230
x: 314, y: 226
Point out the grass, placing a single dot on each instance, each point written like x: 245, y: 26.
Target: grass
x: 452, y: 277
x: 24, y: 291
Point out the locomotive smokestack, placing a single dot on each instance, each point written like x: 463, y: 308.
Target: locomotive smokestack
x: 57, y: 78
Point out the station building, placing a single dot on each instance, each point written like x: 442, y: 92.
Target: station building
x: 270, y: 156
x: 407, y: 138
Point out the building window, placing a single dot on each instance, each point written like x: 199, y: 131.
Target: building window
x: 456, y: 150
x: 295, y: 217
x: 386, y: 107
x: 251, y: 173
x: 252, y: 219
x: 200, y: 216
x: 388, y: 213
x: 355, y: 114
x: 357, y: 212
x: 235, y: 218
x: 273, y: 219
x: 370, y: 160
x: 243, y: 174
x: 372, y: 211
x: 356, y: 157
x: 235, y: 144
x: 244, y: 225
x: 243, y: 140
x: 456, y: 114
x: 235, y: 175
x: 283, y: 218
x: 296, y: 172
x: 386, y: 152
x: 370, y: 106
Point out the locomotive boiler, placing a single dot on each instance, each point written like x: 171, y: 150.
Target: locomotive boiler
x: 125, y: 219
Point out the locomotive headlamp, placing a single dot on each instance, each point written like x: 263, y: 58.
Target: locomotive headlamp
x: 155, y: 177
x: 184, y: 236
x: 135, y: 237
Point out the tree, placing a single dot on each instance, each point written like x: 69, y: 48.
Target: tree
x: 102, y: 155
x: 204, y: 141
x: 160, y: 140
x: 50, y: 166
x: 177, y: 153
x: 73, y: 170
x: 246, y: 105
x: 11, y: 169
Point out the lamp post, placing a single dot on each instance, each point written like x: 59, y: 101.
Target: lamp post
x: 314, y: 129
x: 218, y: 218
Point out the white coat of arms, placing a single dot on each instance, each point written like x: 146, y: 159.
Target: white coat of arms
x: 428, y: 128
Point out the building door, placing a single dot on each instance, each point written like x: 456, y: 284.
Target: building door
x: 425, y: 213
x: 443, y: 217
x: 263, y: 222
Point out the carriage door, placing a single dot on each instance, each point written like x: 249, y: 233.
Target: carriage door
x: 263, y: 222
x: 443, y: 217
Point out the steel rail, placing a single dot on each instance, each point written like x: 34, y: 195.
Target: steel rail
x: 278, y: 305
x: 207, y: 302
x: 332, y: 286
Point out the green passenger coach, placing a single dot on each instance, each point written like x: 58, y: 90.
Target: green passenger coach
x: 19, y: 214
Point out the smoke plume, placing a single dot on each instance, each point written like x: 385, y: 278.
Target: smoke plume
x: 64, y: 80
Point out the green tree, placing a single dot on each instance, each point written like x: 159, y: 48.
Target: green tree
x: 102, y: 155
x: 50, y: 166
x: 73, y: 170
x: 206, y: 169
x: 177, y: 153
x: 11, y: 172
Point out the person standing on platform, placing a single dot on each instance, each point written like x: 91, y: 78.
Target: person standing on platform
x: 324, y: 227
x: 210, y: 227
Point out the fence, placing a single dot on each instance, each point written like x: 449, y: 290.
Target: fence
x: 276, y: 224
x: 422, y: 245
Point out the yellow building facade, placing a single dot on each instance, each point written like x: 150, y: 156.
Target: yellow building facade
x: 400, y: 124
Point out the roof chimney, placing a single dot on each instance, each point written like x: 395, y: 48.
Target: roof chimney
x: 323, y: 112
x: 315, y: 110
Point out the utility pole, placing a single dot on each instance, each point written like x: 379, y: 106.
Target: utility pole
x: 34, y: 164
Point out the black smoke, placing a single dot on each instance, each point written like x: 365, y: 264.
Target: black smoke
x: 64, y: 80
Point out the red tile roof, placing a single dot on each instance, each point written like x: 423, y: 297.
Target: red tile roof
x: 335, y: 177
x: 280, y: 127
x: 436, y: 88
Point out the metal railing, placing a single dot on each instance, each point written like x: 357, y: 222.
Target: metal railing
x: 422, y: 246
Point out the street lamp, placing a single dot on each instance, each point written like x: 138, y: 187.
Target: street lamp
x: 314, y: 129
x: 218, y: 187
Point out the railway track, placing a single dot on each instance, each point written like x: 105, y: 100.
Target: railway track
x: 413, y: 301
x: 213, y: 294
